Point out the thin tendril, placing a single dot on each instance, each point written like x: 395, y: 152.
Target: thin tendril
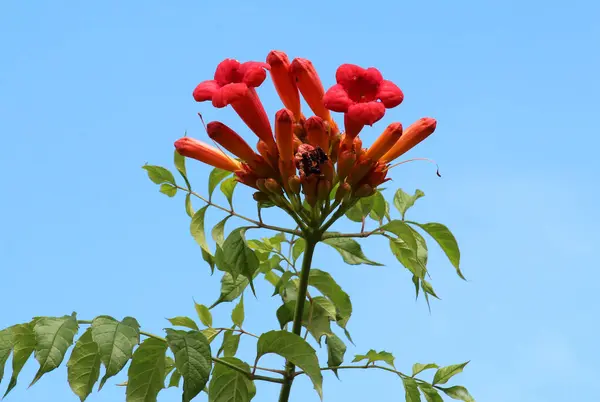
x: 418, y: 159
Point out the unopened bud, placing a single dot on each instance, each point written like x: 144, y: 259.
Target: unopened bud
x: 261, y: 185
x: 272, y: 186
x: 294, y: 183
x: 327, y: 170
x: 364, y: 191
x: 323, y: 190
x: 345, y: 164
x: 342, y: 192
x: 259, y: 196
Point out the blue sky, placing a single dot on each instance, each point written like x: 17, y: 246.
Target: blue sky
x: 90, y: 92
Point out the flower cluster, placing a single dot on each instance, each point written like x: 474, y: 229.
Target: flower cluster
x: 303, y: 155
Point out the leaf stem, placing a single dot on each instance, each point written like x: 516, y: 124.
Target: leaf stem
x: 233, y: 213
x: 311, y: 242
x: 241, y: 331
x: 362, y: 234
x: 367, y: 366
x: 247, y: 374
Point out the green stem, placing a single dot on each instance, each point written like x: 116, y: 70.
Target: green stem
x: 368, y: 366
x: 311, y: 241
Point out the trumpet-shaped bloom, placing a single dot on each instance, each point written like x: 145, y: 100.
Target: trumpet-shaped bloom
x: 413, y: 135
x: 198, y: 150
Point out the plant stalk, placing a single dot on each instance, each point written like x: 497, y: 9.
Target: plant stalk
x: 311, y: 242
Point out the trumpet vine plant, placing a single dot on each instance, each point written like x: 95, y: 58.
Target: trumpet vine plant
x: 317, y: 174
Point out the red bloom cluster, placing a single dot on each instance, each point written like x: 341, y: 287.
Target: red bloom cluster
x: 304, y: 154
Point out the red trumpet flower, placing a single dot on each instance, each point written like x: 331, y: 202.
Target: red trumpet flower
x: 198, y: 150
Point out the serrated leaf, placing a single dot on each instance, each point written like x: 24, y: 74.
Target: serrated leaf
x: 5, y: 349
x: 159, y: 174
x: 442, y: 235
x: 418, y: 367
x: 197, y: 232
x: 210, y: 333
x: 231, y: 289
x: 411, y: 390
x: 458, y: 392
x: 445, y: 373
x: 182, y: 321
x: 350, y: 251
x: 430, y: 393
x: 189, y: 208
x: 282, y: 282
x: 378, y: 207
x: 175, y: 379
x: 218, y: 232
x: 204, y: 315
x: 83, y: 367
x: 239, y: 259
x: 336, y: 349
x: 228, y: 385
x: 298, y: 248
x: 216, y: 176
x: 53, y: 336
x: 230, y: 345
x: 404, y: 201
x: 373, y: 356
x: 116, y: 340
x: 192, y: 359
x: 169, y: 366
x: 147, y: 371
x: 237, y: 315
x: 294, y: 349
x: 326, y: 305
x: 168, y: 189
x: 23, y: 344
x: 227, y: 188
x: 325, y: 284
x: 314, y: 318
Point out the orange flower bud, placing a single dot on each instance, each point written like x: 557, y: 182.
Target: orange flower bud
x: 323, y: 190
x: 230, y: 140
x: 376, y: 176
x: 273, y: 186
x: 385, y: 141
x: 247, y: 177
x: 346, y: 162
x: 284, y: 134
x: 261, y: 185
x: 309, y: 187
x: 361, y: 168
x: 310, y: 86
x: 327, y: 170
x: 364, y: 191
x: 342, y: 192
x: 294, y: 184
x: 284, y: 81
x: 259, y: 196
x: 198, y: 150
x: 335, y: 148
x: 316, y: 134
x: 414, y: 134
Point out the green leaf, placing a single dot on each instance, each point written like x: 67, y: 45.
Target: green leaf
x: 116, y: 340
x: 411, y: 390
x: 159, y: 174
x: 23, y: 343
x: 407, y: 257
x: 189, y: 208
x: 238, y: 258
x: 298, y: 248
x: 197, y: 231
x: 428, y: 289
x: 404, y: 201
x: 192, y: 359
x: 336, y: 349
x: 168, y: 189
x: 350, y: 251
x: 296, y: 350
x: 83, y: 367
x: 186, y: 322
x: 314, y: 318
x: 218, y: 232
x: 421, y: 248
x: 418, y: 367
x: 373, y: 356
x: 442, y: 235
x: 147, y: 371
x: 326, y: 305
x: 230, y: 345
x: 210, y: 333
x: 237, y: 315
x: 378, y: 207
x: 355, y: 213
x: 325, y: 284
x: 231, y: 288
x: 227, y: 188
x: 5, y: 349
x: 53, y: 337
x: 430, y: 393
x: 175, y: 379
x: 204, y: 314
x: 229, y: 385
x: 458, y: 392
x: 272, y: 278
x: 179, y: 161
x: 445, y: 373
x: 216, y: 176
x: 282, y: 282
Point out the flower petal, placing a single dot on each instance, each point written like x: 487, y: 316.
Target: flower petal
x: 336, y: 99
x: 389, y: 94
x: 347, y: 73
x: 227, y: 72
x: 228, y: 94
x: 366, y: 113
x: 203, y: 152
x: 205, y: 90
x: 253, y: 73
x: 284, y: 82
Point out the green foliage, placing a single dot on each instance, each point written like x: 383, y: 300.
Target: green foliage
x: 5, y: 349
x: 325, y: 284
x: 418, y: 367
x: 442, y: 235
x: 216, y: 176
x: 403, y: 201
x: 227, y: 188
x: 84, y: 365
x: 442, y: 375
x: 239, y: 258
x: 228, y: 385
x: 159, y: 174
x: 336, y: 349
x: 350, y: 251
x: 146, y: 375
x: 23, y: 345
x: 458, y: 392
x: 203, y: 314
x: 186, y: 322
x: 197, y: 231
x: 237, y: 315
x: 373, y: 357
